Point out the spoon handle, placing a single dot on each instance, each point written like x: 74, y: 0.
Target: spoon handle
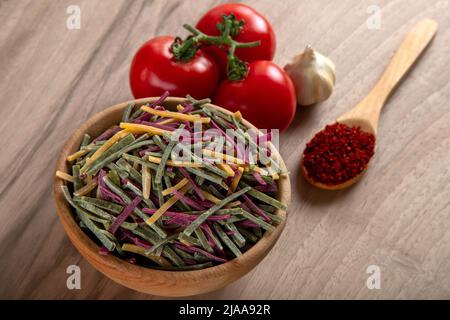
x: 367, y: 112
x: 409, y: 51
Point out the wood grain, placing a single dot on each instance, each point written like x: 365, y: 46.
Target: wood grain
x: 396, y: 217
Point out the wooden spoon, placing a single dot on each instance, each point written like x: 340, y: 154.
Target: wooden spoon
x: 367, y: 113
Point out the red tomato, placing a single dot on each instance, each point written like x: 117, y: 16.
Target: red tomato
x: 266, y: 97
x: 256, y: 28
x: 154, y: 71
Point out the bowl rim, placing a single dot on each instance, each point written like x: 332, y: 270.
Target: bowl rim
x: 121, y: 265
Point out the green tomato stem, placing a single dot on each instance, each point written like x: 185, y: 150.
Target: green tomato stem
x: 185, y: 50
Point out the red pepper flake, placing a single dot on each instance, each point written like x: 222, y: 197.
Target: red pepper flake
x: 338, y: 153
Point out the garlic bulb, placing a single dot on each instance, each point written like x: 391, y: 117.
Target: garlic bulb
x: 313, y: 75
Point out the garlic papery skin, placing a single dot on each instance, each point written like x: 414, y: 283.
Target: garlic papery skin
x: 313, y: 75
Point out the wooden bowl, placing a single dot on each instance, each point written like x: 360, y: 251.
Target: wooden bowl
x: 152, y: 281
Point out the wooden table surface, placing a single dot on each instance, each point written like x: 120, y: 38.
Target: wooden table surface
x: 396, y: 218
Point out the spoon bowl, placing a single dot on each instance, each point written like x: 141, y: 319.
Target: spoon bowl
x: 330, y: 187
